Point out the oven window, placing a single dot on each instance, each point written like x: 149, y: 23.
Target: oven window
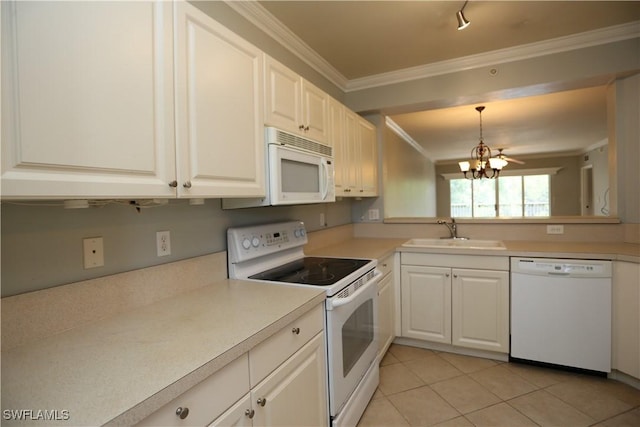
x: 357, y: 335
x: 300, y: 177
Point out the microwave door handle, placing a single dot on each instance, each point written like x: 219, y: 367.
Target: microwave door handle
x: 335, y: 303
x: 325, y: 189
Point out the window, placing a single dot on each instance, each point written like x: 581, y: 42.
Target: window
x: 508, y: 196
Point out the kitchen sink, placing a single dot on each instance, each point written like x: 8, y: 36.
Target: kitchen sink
x: 455, y: 243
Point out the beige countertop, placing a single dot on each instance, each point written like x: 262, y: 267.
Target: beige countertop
x: 121, y: 369
x: 381, y: 247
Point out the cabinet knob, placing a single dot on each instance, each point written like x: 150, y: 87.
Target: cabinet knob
x: 296, y: 331
x: 301, y: 127
x: 187, y: 184
x: 261, y: 401
x: 306, y: 128
x: 173, y: 184
x: 249, y: 413
x: 182, y: 413
x: 361, y: 190
x: 455, y: 276
x: 446, y: 275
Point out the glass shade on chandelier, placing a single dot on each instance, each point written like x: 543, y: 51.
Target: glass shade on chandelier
x: 482, y: 164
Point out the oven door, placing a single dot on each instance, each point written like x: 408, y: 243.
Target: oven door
x: 352, y: 324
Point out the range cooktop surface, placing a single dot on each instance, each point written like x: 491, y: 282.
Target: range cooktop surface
x: 316, y: 271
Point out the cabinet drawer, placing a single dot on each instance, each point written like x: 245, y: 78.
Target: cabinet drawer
x: 208, y: 399
x: 267, y: 356
x: 386, y: 265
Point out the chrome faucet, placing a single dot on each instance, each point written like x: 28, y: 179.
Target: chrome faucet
x: 452, y: 227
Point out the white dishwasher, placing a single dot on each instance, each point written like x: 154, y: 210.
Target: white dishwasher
x: 561, y: 312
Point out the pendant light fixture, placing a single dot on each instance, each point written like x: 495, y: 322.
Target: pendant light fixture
x: 462, y: 21
x: 481, y: 164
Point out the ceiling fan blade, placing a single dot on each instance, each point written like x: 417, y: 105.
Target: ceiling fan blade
x: 509, y: 159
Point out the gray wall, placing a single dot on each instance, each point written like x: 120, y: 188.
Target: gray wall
x: 42, y: 245
x: 409, y: 180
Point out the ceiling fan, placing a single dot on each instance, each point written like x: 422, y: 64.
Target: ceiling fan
x: 507, y: 159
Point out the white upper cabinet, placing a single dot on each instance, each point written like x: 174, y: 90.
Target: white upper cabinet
x: 293, y: 104
x: 356, y: 156
x: 219, y: 109
x: 87, y: 99
x: 88, y: 107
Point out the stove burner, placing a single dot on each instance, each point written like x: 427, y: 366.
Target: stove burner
x: 312, y: 271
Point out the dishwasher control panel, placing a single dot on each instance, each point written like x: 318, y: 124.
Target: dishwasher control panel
x: 562, y: 267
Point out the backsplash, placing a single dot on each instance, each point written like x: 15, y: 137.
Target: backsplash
x: 42, y: 245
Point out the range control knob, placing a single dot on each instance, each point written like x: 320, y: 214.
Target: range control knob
x: 296, y: 233
x: 246, y: 243
x: 255, y: 242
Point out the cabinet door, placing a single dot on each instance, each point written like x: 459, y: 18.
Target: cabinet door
x: 426, y: 303
x: 219, y: 124
x: 87, y: 99
x: 480, y: 309
x: 626, y: 318
x: 351, y: 185
x: 386, y: 313
x: 368, y: 159
x: 338, y: 139
x: 295, y: 394
x: 283, y: 97
x: 315, y: 116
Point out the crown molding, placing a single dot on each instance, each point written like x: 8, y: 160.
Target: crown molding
x: 395, y: 128
x: 501, y: 56
x: 269, y: 24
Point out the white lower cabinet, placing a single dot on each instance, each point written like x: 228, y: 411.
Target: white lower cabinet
x: 205, y: 401
x: 296, y: 393
x: 464, y: 307
x: 386, y: 305
x: 480, y: 309
x: 293, y: 395
x: 286, y: 387
x: 626, y: 318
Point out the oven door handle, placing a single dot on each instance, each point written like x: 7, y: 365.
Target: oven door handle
x: 338, y: 302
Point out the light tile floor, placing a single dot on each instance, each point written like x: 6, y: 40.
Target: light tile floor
x: 421, y: 387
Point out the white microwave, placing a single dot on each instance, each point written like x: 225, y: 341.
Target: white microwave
x: 299, y: 171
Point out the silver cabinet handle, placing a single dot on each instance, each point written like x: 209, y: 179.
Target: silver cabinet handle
x: 296, y: 331
x: 187, y: 184
x: 262, y: 401
x: 173, y: 184
x: 249, y: 413
x: 182, y: 413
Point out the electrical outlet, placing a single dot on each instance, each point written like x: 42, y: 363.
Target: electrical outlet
x: 93, y: 251
x: 555, y: 229
x: 163, y: 243
x: 374, y: 214
x: 322, y: 222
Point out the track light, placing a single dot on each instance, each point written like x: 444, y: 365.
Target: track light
x: 462, y: 21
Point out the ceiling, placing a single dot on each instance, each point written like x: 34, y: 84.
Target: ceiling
x: 360, y: 39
